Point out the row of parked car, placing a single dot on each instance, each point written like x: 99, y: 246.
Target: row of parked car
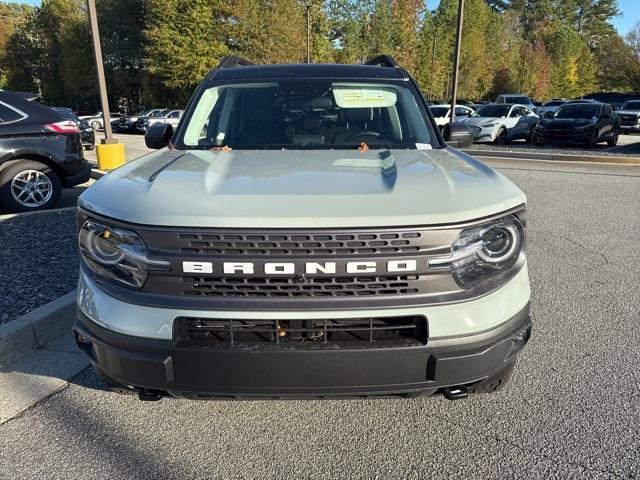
x: 560, y: 121
x: 137, y: 123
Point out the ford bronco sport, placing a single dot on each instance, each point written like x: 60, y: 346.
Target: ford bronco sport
x: 304, y: 232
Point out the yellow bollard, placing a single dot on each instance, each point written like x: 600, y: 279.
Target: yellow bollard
x: 110, y: 155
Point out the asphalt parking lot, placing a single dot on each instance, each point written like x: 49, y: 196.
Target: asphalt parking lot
x: 572, y: 409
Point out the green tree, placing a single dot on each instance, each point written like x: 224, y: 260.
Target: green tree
x: 183, y: 41
x: 122, y: 24
x: 12, y: 16
x: 49, y: 52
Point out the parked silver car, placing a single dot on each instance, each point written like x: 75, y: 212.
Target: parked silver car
x: 170, y: 117
x: 128, y: 123
x: 518, y: 98
x: 550, y: 106
x: 630, y: 117
x: 501, y: 123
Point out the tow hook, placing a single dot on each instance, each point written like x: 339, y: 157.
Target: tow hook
x: 147, y: 395
x: 456, y: 393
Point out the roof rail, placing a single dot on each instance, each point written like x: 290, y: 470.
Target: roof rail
x: 231, y: 61
x: 383, y: 61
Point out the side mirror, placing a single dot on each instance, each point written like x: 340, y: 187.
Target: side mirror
x: 458, y: 135
x: 548, y: 115
x: 158, y: 135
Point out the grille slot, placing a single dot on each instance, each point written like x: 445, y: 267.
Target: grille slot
x: 392, y: 332
x: 260, y: 245
x: 289, y: 287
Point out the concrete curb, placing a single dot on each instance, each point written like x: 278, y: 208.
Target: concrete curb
x: 554, y: 157
x: 36, y: 328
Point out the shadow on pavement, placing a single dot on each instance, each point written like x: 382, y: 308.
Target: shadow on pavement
x: 68, y: 198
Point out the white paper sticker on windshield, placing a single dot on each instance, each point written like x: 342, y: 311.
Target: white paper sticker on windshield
x: 364, y: 97
x: 423, y: 146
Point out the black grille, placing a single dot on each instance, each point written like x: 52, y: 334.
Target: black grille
x: 393, y: 332
x: 279, y: 245
x: 293, y: 287
x: 628, y: 120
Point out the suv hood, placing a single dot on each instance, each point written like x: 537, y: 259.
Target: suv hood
x: 567, y: 123
x: 301, y: 188
x: 628, y: 112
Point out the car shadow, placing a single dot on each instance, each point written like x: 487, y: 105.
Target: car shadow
x: 68, y: 199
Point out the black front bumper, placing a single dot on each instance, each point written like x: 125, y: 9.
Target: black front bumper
x: 159, y: 365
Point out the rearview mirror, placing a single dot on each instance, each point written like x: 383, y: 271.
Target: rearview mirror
x: 158, y: 135
x: 458, y: 135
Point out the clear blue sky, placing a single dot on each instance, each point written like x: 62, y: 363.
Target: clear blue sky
x: 630, y: 12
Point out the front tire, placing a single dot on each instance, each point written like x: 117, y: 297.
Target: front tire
x: 501, y: 137
x: 613, y: 141
x: 27, y: 186
x: 96, y: 125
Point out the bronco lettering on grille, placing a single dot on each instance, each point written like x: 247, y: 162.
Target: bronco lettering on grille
x: 308, y: 268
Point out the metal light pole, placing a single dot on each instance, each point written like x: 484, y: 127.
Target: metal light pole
x: 308, y: 6
x: 110, y: 153
x: 456, y: 60
x: 433, y: 56
x: 102, y: 84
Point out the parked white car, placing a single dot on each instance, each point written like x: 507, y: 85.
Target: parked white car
x: 442, y: 113
x: 550, y: 106
x: 501, y: 123
x: 97, y: 121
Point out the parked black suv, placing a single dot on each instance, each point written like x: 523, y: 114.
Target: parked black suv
x: 87, y: 135
x: 40, y: 153
x: 581, y: 122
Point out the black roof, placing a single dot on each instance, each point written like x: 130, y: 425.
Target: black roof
x: 307, y: 70
x: 34, y: 110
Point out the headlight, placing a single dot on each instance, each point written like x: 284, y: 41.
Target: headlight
x: 489, y: 125
x: 488, y: 252
x: 116, y: 254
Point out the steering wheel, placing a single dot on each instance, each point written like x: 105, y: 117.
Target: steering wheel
x: 363, y: 133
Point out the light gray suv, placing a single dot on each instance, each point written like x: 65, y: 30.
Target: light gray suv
x: 304, y: 232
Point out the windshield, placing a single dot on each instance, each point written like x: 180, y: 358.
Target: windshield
x: 577, y: 110
x: 314, y: 114
x: 492, y: 111
x: 554, y: 103
x: 632, y: 105
x: 439, y: 111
